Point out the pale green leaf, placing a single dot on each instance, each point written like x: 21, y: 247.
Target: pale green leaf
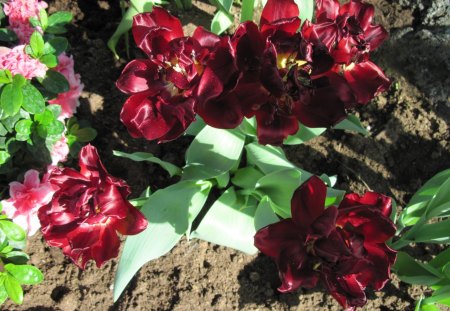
x: 145, y: 156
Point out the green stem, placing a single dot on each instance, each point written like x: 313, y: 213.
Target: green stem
x: 179, y: 4
x: 187, y: 4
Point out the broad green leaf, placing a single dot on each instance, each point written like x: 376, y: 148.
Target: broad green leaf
x: 55, y: 82
x: 37, y: 44
x: 33, y: 101
x: 43, y: 18
x: 55, y: 128
x: 127, y: 21
x: 414, y: 272
x: 45, y: 118
x: 59, y: 19
x: 25, y: 274
x: 441, y: 259
x: 212, y: 153
x: 13, y: 289
x: 56, y: 45
x: 279, y: 186
x: 352, y: 123
x: 19, y: 80
x: 306, y: 8
x: 247, y: 10
x: 248, y: 126
x: 4, y: 156
x: 7, y: 35
x: 421, y: 306
x: 264, y: 214
x: 34, y: 22
x: 221, y: 22
x: 246, y: 177
x: 3, y: 293
x: 438, y: 232
x: 23, y: 129
x: 223, y: 180
x: 86, y: 134
x: 139, y: 202
x: 50, y: 60
x: 229, y: 223
x: 13, y: 232
x: 442, y: 293
x: 267, y: 158
x: 170, y: 213
x: 334, y: 196
x: 5, y: 76
x: 441, y: 201
x: 196, y: 126
x: 55, y: 110
x: 11, y: 99
x: 56, y: 30
x: 145, y: 156
x: 303, y: 135
x: 17, y: 257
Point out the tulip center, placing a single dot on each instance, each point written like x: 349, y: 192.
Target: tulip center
x: 287, y: 60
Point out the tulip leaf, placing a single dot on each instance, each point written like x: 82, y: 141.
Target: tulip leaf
x: 306, y: 8
x: 414, y: 272
x: 440, y: 203
x: 212, y: 153
x: 279, y: 186
x: 303, y: 135
x: 195, y: 126
x: 247, y: 10
x: 441, y: 259
x: 246, y: 177
x: 229, y: 222
x: 442, y: 293
x: 438, y: 232
x: 223, y: 18
x: 25, y: 274
x: 264, y: 214
x: 145, y: 156
x: 267, y: 158
x: 422, y: 306
x: 248, y: 126
x: 127, y: 21
x: 170, y: 213
x: 352, y: 123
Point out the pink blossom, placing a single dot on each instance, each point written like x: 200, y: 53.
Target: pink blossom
x: 19, y: 62
x: 68, y: 100
x: 60, y: 151
x: 26, y: 199
x: 19, y: 13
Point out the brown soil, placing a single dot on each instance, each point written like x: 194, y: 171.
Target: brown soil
x: 409, y: 143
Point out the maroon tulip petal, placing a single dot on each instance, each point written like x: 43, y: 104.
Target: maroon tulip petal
x: 89, y: 162
x: 308, y: 202
x: 249, y: 45
x: 382, y: 202
x: 134, y: 223
x: 363, y: 12
x: 107, y: 248
x: 272, y: 239
x: 346, y: 290
x: 375, y: 35
x: 276, y: 10
x: 205, y: 38
x: 274, y: 128
x: 326, y: 222
x: 286, y: 27
x: 138, y: 76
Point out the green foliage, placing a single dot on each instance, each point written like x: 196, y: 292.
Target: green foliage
x: 145, y: 156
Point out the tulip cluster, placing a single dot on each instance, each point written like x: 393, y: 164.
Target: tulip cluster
x: 279, y: 73
x: 344, y: 247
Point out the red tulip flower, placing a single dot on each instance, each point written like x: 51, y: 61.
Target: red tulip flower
x: 344, y: 247
x: 88, y: 210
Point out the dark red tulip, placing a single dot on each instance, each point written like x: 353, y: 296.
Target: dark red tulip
x: 88, y: 210
x: 344, y: 247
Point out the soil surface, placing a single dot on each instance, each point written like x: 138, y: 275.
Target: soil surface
x: 408, y: 143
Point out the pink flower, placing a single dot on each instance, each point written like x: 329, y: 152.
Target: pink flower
x: 60, y: 151
x: 26, y: 199
x: 19, y: 13
x: 19, y: 62
x: 68, y: 100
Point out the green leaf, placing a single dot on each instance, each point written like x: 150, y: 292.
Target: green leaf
x: 7, y: 35
x: 56, y: 30
x: 4, y: 156
x: 55, y: 82
x: 3, y: 293
x: 13, y: 289
x: 267, y: 158
x: 56, y: 45
x: 303, y: 135
x: 86, y: 134
x: 33, y: 101
x: 229, y: 223
x: 442, y: 293
x: 414, y: 272
x: 13, y: 231
x: 43, y: 17
x: 248, y: 126
x: 145, y: 156
x: 221, y: 22
x: 5, y: 76
x: 264, y: 214
x: 279, y: 186
x: 23, y: 129
x: 246, y: 177
x: 11, y: 99
x: 55, y: 110
x: 306, y: 8
x: 50, y: 60
x: 59, y: 19
x: 247, y: 10
x: 170, y: 213
x: 196, y: 126
x: 25, y: 274
x: 37, y: 44
x: 432, y: 233
x: 45, y: 118
x: 352, y: 123
x: 127, y: 21
x: 17, y: 257
x: 441, y: 259
x: 440, y: 203
x: 212, y: 153
x: 34, y: 22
